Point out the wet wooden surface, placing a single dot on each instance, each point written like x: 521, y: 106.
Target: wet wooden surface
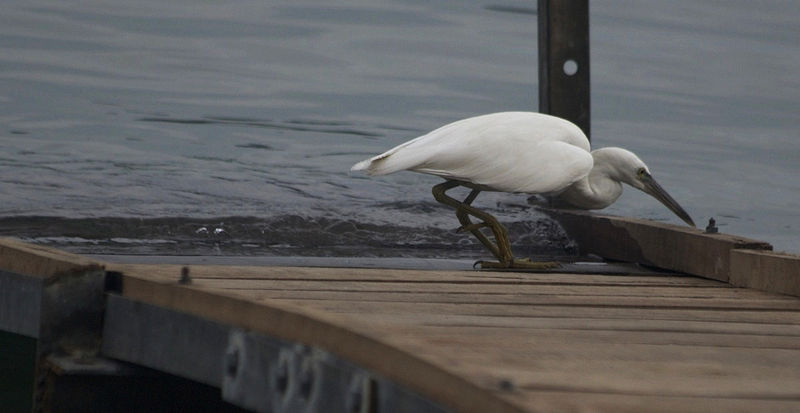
x: 491, y: 341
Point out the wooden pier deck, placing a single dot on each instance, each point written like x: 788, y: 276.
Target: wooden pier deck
x: 288, y: 338
x: 486, y: 341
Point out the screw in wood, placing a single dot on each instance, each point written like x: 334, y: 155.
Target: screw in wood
x: 185, y: 278
x: 712, y: 228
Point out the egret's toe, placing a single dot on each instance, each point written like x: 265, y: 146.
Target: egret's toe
x: 518, y: 264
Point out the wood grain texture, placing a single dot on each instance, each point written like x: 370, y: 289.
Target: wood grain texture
x: 38, y: 261
x: 483, y: 341
x: 766, y: 271
x: 673, y: 247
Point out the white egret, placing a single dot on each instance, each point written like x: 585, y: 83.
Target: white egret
x: 520, y: 152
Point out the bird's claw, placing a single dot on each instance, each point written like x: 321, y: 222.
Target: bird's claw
x: 526, y: 263
x: 517, y: 264
x: 482, y: 265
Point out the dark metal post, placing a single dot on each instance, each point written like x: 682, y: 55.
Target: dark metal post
x: 564, y: 60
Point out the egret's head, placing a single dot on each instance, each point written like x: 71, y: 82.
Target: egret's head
x: 624, y: 166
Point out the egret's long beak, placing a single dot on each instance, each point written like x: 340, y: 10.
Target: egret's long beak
x: 653, y: 188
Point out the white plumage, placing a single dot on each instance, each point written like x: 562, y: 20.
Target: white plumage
x: 519, y: 152
x: 508, y: 152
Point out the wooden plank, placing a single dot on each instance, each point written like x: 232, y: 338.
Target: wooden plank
x: 766, y: 271
x: 530, y: 324
x: 680, y: 303
x: 553, y: 399
x: 326, y: 331
x: 546, y: 353
x: 523, y: 340
x: 505, y: 310
x: 664, y: 377
x: 455, y: 333
x: 173, y: 273
x: 623, y: 368
x: 38, y: 261
x: 489, y: 290
x: 672, y: 247
x: 483, y: 341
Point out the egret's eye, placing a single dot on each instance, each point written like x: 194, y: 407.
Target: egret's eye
x: 641, y: 173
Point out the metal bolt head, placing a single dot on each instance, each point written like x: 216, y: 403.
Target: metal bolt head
x: 712, y: 228
x: 506, y: 385
x: 185, y: 278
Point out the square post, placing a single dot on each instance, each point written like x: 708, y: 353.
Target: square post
x: 564, y: 60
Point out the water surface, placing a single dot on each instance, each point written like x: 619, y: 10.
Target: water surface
x: 252, y: 112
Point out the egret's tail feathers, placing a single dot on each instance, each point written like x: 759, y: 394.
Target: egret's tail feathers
x: 401, y: 157
x: 378, y: 165
x: 361, y: 166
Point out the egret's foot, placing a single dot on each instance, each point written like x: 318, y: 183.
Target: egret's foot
x: 519, y: 264
x: 526, y: 263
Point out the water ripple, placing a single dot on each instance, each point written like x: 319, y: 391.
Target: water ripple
x: 294, y: 125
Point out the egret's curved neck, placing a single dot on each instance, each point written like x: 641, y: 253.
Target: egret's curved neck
x: 595, y: 191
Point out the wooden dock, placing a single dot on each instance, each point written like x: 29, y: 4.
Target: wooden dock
x: 366, y: 340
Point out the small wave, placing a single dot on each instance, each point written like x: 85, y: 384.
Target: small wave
x: 511, y: 9
x: 291, y: 125
x: 141, y: 241
x: 280, y: 235
x: 179, y: 121
x: 422, y: 207
x: 255, y: 146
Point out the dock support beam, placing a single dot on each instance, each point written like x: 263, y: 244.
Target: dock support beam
x: 564, y: 60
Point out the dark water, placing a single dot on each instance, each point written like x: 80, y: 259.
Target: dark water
x: 164, y: 118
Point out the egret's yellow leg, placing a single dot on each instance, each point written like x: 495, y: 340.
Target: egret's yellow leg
x: 462, y: 212
x: 501, y: 248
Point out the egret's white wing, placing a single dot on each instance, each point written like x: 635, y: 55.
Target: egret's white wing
x: 510, y: 151
x: 542, y: 167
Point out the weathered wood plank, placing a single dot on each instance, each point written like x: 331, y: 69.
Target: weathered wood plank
x: 173, y: 273
x: 327, y: 331
x: 542, y: 335
x: 656, y: 302
x: 505, y: 310
x: 667, y: 377
x: 766, y: 271
x: 483, y: 341
x: 672, y: 247
x: 38, y: 261
x: 530, y: 324
x: 489, y: 290
x: 528, y: 340
x: 553, y: 399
